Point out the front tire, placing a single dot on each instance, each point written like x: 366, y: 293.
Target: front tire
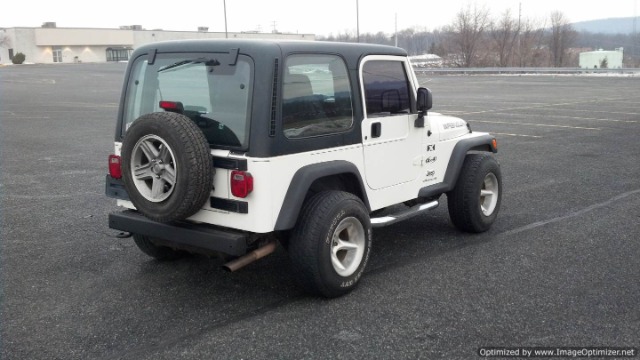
x: 331, y: 243
x: 475, y: 201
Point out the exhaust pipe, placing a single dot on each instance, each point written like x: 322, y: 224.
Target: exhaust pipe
x: 247, y: 259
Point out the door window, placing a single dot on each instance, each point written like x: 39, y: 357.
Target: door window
x: 386, y: 88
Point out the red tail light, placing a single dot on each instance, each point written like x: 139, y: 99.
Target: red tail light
x: 115, y: 168
x: 174, y: 106
x: 241, y: 184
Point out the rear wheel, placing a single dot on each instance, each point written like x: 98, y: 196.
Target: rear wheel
x: 166, y: 166
x: 331, y: 243
x: 162, y: 253
x: 475, y: 201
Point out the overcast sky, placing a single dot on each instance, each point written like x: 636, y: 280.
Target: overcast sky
x: 321, y: 17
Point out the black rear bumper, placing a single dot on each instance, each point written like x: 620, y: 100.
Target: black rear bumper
x: 182, y: 234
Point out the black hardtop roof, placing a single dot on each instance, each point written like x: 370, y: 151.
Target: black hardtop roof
x: 250, y: 46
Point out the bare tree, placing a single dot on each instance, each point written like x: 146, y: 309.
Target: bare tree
x: 468, y: 29
x: 377, y: 38
x: 561, y: 38
x: 415, y: 40
x: 346, y: 36
x: 505, y: 34
x: 531, y: 45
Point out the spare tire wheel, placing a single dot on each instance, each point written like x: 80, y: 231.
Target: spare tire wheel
x: 166, y: 166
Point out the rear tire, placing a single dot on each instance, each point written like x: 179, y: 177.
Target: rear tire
x: 475, y: 201
x: 166, y: 166
x: 161, y: 253
x: 330, y: 245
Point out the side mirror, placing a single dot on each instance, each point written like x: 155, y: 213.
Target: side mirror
x: 425, y: 100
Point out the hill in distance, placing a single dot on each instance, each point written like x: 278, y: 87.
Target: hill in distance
x: 609, y: 26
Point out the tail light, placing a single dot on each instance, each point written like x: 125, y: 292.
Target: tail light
x: 115, y: 168
x: 172, y: 106
x: 241, y: 184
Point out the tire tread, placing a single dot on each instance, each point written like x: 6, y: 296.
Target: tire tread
x: 463, y: 199
x: 304, y: 245
x: 193, y: 147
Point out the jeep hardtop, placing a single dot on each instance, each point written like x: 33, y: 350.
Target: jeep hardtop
x: 227, y: 146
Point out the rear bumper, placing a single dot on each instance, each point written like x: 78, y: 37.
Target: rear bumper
x: 182, y: 234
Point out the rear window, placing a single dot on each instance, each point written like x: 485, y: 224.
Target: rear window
x: 214, y: 95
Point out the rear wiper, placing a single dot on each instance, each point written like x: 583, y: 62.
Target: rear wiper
x: 207, y: 62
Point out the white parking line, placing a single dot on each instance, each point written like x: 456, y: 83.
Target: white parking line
x: 531, y: 124
x: 547, y: 105
x: 572, y: 117
x: 601, y: 111
x: 519, y: 135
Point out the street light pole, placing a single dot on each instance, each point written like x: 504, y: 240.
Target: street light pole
x: 226, y: 34
x: 520, y: 34
x: 396, y: 30
x: 358, y: 20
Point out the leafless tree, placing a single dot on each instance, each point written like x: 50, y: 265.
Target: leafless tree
x: 416, y: 41
x: 346, y: 36
x: 505, y: 35
x: 377, y: 38
x: 561, y: 37
x: 531, y: 47
x: 468, y: 29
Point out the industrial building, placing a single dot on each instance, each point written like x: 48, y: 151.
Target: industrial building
x: 601, y: 59
x: 51, y: 44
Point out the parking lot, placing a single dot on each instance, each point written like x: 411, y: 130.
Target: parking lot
x: 560, y: 267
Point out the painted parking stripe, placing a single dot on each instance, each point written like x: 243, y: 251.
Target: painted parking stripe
x: 532, y: 124
x: 599, y: 111
x: 546, y: 105
x: 518, y: 135
x: 571, y: 117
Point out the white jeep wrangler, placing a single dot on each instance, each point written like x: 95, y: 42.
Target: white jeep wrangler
x: 224, y: 146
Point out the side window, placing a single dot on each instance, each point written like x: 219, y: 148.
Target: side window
x: 134, y: 105
x: 316, y: 96
x: 386, y: 88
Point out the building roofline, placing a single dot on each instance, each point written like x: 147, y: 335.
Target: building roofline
x: 152, y: 30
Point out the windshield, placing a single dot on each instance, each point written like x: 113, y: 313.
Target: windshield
x: 214, y: 95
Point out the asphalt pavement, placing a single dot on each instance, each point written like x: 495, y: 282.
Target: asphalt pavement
x: 559, y: 268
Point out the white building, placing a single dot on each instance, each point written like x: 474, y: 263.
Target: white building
x: 50, y: 44
x: 596, y: 59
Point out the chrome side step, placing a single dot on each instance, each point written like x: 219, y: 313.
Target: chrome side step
x: 403, y: 215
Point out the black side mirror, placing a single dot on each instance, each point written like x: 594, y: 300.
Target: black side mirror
x: 425, y: 100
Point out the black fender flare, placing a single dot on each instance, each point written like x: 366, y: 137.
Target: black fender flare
x: 302, y: 181
x: 460, y: 150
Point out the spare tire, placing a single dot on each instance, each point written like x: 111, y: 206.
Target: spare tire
x: 166, y: 166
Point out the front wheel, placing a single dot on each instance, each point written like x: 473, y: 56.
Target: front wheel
x: 331, y: 243
x: 475, y: 201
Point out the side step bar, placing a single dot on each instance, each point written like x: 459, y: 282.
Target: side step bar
x: 403, y: 215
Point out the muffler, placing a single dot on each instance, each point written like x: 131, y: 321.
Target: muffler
x: 247, y: 259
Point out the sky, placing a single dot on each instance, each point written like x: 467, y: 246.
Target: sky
x: 322, y: 17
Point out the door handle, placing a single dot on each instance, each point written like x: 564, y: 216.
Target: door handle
x: 376, y: 130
